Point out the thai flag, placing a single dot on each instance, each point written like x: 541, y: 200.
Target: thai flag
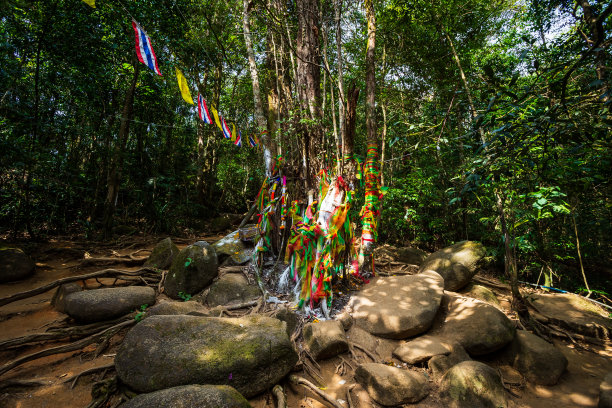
x: 252, y: 141
x: 144, y: 49
x: 203, y: 111
x: 238, y: 141
x: 225, y: 128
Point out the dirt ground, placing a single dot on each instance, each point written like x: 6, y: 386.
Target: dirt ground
x: 53, y: 384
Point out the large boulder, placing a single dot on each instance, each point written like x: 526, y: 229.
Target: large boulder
x: 104, y: 304
x: 192, y: 396
x: 231, y: 250
x: 472, y: 384
x: 15, y: 265
x: 457, y: 264
x: 422, y: 349
x: 441, y: 363
x: 539, y: 361
x: 391, y: 386
x: 479, y: 327
x: 192, y: 270
x: 605, y: 392
x: 58, y: 301
x: 191, y: 307
x: 398, y: 306
x: 574, y: 313
x: 231, y: 288
x: 411, y: 256
x: 162, y: 255
x: 325, y: 339
x: 251, y: 353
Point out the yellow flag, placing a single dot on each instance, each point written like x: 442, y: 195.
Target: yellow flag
x: 182, y: 82
x: 216, y: 116
x: 91, y: 3
x: 234, y: 133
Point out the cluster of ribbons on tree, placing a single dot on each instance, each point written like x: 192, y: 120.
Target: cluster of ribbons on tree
x: 146, y: 55
x: 321, y: 242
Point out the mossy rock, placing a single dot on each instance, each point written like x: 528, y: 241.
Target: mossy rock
x: 457, y: 264
x: 251, y: 353
x: 15, y: 265
x: 472, y: 384
x: 162, y: 255
x: 481, y: 293
x: 193, y: 269
x: 231, y: 288
x: 192, y: 396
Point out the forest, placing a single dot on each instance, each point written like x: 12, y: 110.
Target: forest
x: 485, y: 113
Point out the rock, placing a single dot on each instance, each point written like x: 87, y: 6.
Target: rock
x: 162, y: 255
x: 391, y: 386
x: 398, y: 306
x: 479, y: 327
x: 192, y: 396
x: 105, y: 304
x: 231, y: 288
x: 58, y: 301
x: 325, y: 339
x: 605, y: 392
x: 346, y: 319
x: 231, y: 250
x: 191, y: 308
x: 481, y: 293
x: 411, y: 256
x: 472, y: 384
x: 574, y: 313
x: 15, y: 265
x: 192, y: 270
x: 290, y: 317
x: 456, y: 263
x: 440, y: 364
x: 539, y: 361
x: 250, y: 353
x: 421, y: 349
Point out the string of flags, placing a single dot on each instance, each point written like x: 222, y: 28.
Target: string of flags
x: 146, y: 55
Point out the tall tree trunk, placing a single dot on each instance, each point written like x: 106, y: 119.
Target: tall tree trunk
x: 340, y: 67
x: 114, y: 172
x: 260, y: 117
x: 309, y: 80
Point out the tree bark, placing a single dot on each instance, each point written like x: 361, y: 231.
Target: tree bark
x: 260, y: 117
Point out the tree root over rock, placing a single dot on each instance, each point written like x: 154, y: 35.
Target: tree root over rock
x: 294, y: 379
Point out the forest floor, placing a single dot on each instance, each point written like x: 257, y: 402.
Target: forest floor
x: 51, y: 377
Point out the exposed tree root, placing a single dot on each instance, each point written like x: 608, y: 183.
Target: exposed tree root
x: 22, y: 383
x: 102, y: 391
x: 105, y: 273
x: 111, y: 260
x: 279, y: 395
x: 76, y: 377
x: 304, y: 382
x: 366, y: 351
x: 348, y: 395
x: 67, y: 347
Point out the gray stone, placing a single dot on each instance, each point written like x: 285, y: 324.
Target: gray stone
x: 179, y: 308
x: 605, y: 392
x: 479, y: 327
x: 457, y: 264
x: 539, y: 361
x: 192, y: 270
x: 472, y: 384
x: 250, y: 353
x: 231, y: 250
x: 105, y: 304
x: 440, y: 364
x: 190, y: 396
x: 575, y: 313
x: 325, y: 339
x: 398, y: 306
x: 391, y: 386
x: 411, y: 256
x: 421, y: 349
x: 58, y: 301
x: 15, y: 265
x: 481, y: 293
x: 231, y: 288
x: 162, y: 255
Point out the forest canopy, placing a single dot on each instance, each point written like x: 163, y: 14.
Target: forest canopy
x: 492, y: 119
